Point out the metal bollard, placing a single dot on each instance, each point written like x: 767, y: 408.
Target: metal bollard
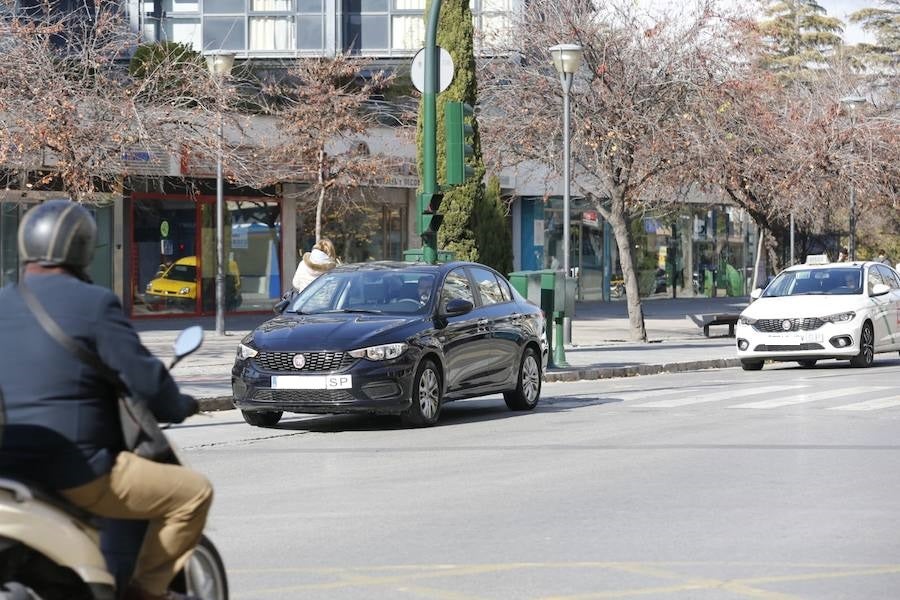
x: 559, y: 350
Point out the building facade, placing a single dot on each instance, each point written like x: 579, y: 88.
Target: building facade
x: 157, y: 238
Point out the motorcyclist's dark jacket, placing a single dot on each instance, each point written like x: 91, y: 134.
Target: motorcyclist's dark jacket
x: 60, y: 424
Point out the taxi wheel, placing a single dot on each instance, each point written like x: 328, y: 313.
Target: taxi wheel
x: 426, y: 397
x: 807, y: 364
x: 866, y: 355
x: 751, y: 365
x: 262, y: 418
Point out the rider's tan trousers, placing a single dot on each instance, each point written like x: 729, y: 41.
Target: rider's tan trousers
x: 173, y: 498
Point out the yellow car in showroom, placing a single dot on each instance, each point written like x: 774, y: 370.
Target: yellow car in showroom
x: 175, y: 285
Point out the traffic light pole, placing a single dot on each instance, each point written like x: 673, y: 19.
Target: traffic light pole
x: 429, y: 130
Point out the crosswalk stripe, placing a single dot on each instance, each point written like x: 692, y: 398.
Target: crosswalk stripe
x: 724, y: 395
x: 874, y: 404
x: 803, y: 397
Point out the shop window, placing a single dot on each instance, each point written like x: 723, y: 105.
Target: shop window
x: 173, y: 262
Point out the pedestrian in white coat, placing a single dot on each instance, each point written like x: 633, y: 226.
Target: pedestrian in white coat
x: 320, y: 259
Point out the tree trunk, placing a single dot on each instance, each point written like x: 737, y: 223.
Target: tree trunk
x: 759, y: 249
x: 321, y: 203
x: 619, y: 222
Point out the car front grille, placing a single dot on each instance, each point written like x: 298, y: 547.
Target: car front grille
x: 315, y: 361
x: 778, y: 348
x: 295, y: 398
x: 775, y: 325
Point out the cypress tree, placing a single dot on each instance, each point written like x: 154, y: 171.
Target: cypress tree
x: 462, y: 231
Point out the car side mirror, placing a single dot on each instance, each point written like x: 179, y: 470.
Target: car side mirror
x: 285, y: 301
x: 755, y: 294
x: 879, y: 289
x: 457, y: 307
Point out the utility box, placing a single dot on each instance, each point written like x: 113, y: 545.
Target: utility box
x: 416, y: 255
x: 554, y: 293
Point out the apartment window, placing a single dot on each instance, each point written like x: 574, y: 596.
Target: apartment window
x: 310, y: 25
x: 271, y: 25
x: 491, y: 19
x: 384, y: 25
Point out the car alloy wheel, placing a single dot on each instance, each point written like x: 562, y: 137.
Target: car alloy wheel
x: 866, y: 355
x: 528, y: 387
x: 426, y: 397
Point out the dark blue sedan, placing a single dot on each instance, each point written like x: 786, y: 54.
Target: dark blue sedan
x: 393, y: 338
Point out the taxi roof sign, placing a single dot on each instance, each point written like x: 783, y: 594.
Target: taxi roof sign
x: 817, y: 259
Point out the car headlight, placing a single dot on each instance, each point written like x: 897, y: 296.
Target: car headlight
x: 184, y: 290
x: 747, y: 320
x: 149, y: 286
x: 383, y: 352
x: 244, y: 351
x: 839, y: 317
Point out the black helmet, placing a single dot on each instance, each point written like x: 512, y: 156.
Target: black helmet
x: 58, y: 233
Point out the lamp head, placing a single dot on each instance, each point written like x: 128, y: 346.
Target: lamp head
x: 567, y: 58
x: 852, y: 101
x: 220, y: 62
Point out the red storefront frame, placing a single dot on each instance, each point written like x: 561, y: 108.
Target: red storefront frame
x: 199, y: 200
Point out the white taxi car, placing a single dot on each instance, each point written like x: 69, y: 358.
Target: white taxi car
x: 819, y: 310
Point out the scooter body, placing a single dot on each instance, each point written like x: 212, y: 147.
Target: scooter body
x: 50, y: 548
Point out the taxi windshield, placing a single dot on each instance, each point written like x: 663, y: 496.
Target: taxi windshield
x: 839, y: 281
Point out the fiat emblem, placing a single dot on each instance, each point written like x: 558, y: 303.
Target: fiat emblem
x: 786, y: 325
x: 299, y: 361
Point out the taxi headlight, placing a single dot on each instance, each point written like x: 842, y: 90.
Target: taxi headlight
x: 384, y: 352
x: 839, y: 317
x: 184, y: 290
x: 149, y: 287
x: 244, y: 351
x: 747, y: 320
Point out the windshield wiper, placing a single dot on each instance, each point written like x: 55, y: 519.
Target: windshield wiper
x: 365, y: 311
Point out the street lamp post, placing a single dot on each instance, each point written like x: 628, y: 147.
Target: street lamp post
x: 567, y: 59
x: 220, y: 64
x: 851, y: 102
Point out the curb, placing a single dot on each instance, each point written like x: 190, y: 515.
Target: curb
x: 585, y: 374
x: 635, y: 370
x: 214, y: 404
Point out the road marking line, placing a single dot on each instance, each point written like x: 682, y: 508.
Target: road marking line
x: 803, y: 397
x: 873, y: 404
x: 724, y: 395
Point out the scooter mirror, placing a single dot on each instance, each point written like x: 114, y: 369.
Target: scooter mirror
x: 188, y: 341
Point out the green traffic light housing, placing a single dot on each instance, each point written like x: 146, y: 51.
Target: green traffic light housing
x: 459, y: 132
x: 429, y: 218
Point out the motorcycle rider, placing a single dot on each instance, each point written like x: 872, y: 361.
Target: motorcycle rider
x: 61, y: 427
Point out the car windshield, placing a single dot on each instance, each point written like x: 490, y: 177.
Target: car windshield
x: 382, y: 291
x: 182, y: 273
x: 838, y: 281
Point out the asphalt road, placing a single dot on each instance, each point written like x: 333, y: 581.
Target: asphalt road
x: 779, y: 484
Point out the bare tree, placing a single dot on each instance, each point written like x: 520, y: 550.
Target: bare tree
x: 323, y: 109
x: 642, y: 78
x: 66, y: 96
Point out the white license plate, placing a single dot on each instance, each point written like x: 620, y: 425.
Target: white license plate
x: 787, y: 340
x: 312, y: 382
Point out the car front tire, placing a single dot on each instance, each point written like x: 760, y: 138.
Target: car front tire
x: 807, y: 364
x: 866, y: 355
x: 751, y: 365
x: 528, y: 387
x: 426, y: 397
x: 262, y: 418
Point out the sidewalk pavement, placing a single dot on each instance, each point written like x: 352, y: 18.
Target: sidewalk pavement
x: 600, y: 348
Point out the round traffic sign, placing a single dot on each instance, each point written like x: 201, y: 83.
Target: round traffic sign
x: 445, y: 70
